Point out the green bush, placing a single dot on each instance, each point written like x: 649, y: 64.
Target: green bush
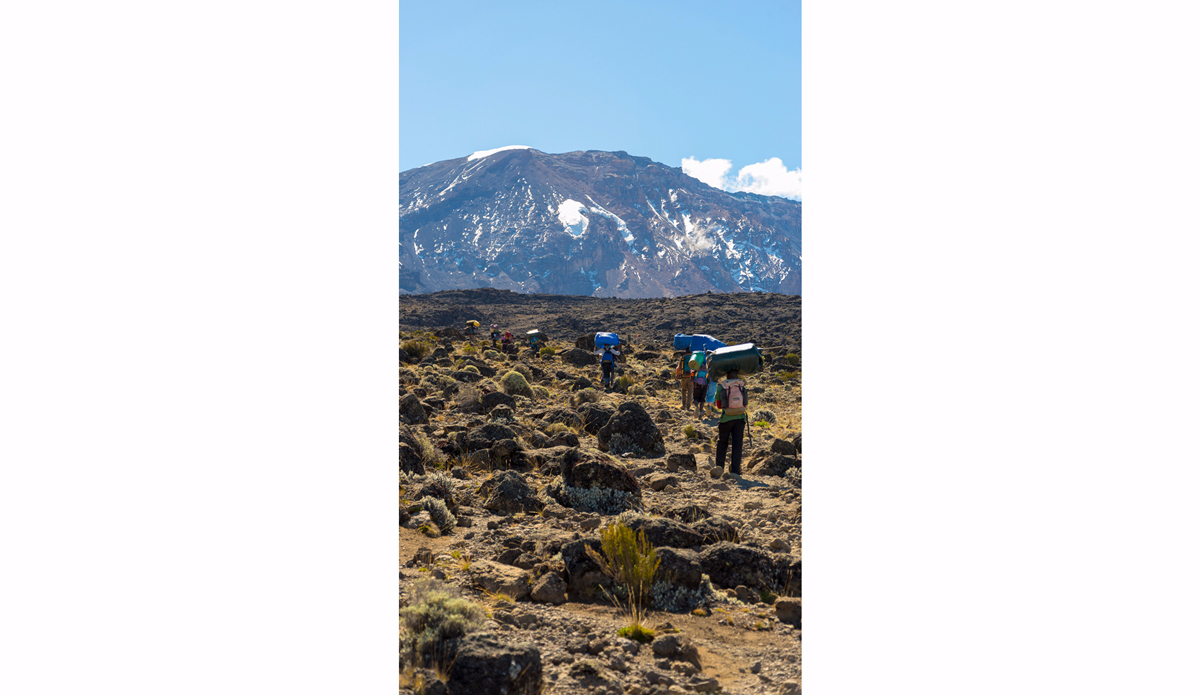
x: 637, y: 390
x: 434, y: 616
x: 792, y: 358
x: 546, y: 351
x: 786, y: 376
x: 555, y: 428
x: 542, y: 392
x: 630, y: 560
x: 471, y: 368
x: 622, y: 384
x: 429, y: 455
x: 415, y: 348
x: 492, y: 355
x: 469, y: 349
x: 514, y: 383
x: 690, y: 432
x: 524, y: 370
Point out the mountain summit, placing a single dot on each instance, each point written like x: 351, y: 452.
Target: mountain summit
x: 589, y: 223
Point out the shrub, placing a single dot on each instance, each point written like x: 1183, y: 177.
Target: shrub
x: 786, y: 376
x: 588, y: 395
x: 433, y: 616
x: 492, y: 355
x: 690, y: 432
x: 439, y: 513
x: 761, y: 415
x: 542, y: 392
x: 467, y: 398
x: 429, y: 455
x: 546, y: 351
x: 598, y: 500
x: 471, y: 368
x: 629, y: 559
x: 469, y: 349
x: 555, y: 428
x: 792, y: 358
x: 792, y: 475
x: 524, y: 370
x: 514, y: 383
x: 416, y: 348
x: 622, y: 384
x: 637, y: 390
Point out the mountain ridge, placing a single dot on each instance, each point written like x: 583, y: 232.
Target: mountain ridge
x: 589, y: 223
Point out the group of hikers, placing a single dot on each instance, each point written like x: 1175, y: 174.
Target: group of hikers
x: 504, y: 341
x: 702, y: 361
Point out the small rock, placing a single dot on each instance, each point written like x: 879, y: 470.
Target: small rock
x: 705, y: 685
x: 787, y: 609
x: 780, y: 544
x: 661, y: 480
x: 751, y: 505
x: 715, y: 472
x: 789, y: 688
x: 756, y: 667
x: 550, y: 589
x: 746, y: 595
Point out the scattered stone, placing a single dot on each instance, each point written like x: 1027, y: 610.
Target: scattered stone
x: 578, y: 358
x: 678, y: 647
x: 675, y: 461
x: 787, y: 609
x: 495, y: 398
x: 780, y: 544
x: 729, y: 564
x: 498, y: 578
x: 550, y: 589
x: 661, y: 531
x: 746, y: 595
x: 661, y: 480
x: 595, y: 416
x: 783, y: 446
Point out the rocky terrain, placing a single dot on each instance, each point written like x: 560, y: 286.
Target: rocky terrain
x: 511, y: 467
x: 766, y: 319
x: 589, y: 223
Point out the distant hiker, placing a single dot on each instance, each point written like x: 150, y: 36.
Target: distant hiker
x: 684, y: 376
x: 534, y: 338
x: 699, y: 386
x: 608, y: 357
x: 495, y: 334
x: 506, y: 341
x: 471, y: 326
x: 732, y: 400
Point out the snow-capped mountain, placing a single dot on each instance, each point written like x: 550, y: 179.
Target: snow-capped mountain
x: 589, y: 223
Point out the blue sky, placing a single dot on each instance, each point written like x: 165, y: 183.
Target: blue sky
x: 717, y: 82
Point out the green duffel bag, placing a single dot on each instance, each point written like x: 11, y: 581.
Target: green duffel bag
x: 745, y: 358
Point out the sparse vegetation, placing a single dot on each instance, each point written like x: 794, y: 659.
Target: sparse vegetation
x: 763, y: 416
x: 514, y: 383
x: 429, y: 455
x: 629, y: 559
x: 588, y: 395
x: 690, y: 432
x: 622, y: 384
x: 546, y: 351
x: 469, y: 349
x: 433, y: 616
x: 415, y: 348
x: 792, y: 358
x: 471, y: 368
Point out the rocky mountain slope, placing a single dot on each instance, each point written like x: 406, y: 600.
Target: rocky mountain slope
x: 511, y: 467
x: 589, y: 223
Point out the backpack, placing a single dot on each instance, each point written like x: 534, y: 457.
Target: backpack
x: 701, y: 379
x: 734, y: 397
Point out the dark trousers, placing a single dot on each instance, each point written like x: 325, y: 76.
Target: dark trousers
x: 735, y: 429
x: 606, y: 369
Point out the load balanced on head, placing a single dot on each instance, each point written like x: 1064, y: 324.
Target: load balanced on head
x: 534, y: 337
x: 691, y: 371
x: 608, y: 346
x: 472, y: 325
x: 732, y: 397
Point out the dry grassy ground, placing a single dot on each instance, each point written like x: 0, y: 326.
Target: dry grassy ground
x: 742, y: 645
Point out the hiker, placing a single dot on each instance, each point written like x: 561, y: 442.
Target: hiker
x: 608, y: 357
x: 506, y: 341
x: 495, y: 334
x: 533, y: 341
x: 684, y: 377
x: 471, y: 326
x: 699, y: 387
x: 732, y: 400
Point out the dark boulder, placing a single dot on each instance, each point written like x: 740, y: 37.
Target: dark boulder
x: 484, y: 665
x: 495, y: 398
x: 566, y: 416
x: 411, y: 410
x: 582, y: 383
x: 583, y: 574
x: 730, y: 565
x: 595, y: 416
x: 486, y: 436
x: 411, y: 460
x: 677, y: 461
x: 631, y: 430
x: 579, y: 358
x: 679, y: 566
x: 583, y: 470
x: 714, y: 529
x: 508, y: 492
x: 776, y: 464
x: 469, y: 377
x: 661, y: 532
x: 783, y: 446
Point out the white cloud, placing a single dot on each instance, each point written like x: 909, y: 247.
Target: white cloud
x: 770, y: 177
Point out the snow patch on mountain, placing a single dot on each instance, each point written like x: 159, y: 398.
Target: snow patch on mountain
x: 487, y: 153
x: 570, y: 213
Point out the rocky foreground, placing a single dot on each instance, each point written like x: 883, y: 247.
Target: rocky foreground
x: 506, y: 479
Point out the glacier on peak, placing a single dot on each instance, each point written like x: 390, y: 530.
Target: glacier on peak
x: 487, y: 153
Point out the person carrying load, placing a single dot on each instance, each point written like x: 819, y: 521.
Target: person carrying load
x: 684, y: 376
x: 471, y: 326
x: 534, y: 337
x: 506, y: 342
x: 732, y: 398
x: 608, y: 346
x: 495, y: 334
